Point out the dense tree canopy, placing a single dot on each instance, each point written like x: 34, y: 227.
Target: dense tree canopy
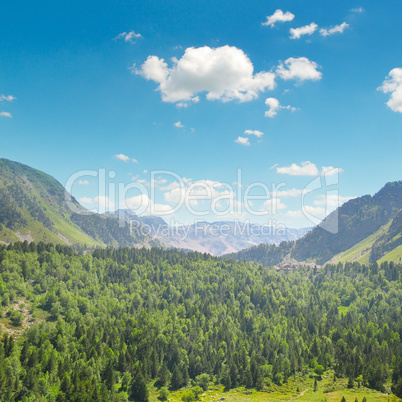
x: 105, y: 324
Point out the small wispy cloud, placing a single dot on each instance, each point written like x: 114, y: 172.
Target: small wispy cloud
x: 357, y: 10
x: 129, y: 36
x: 330, y: 170
x: 7, y: 98
x: 178, y: 124
x: 254, y: 132
x: 6, y: 114
x: 305, y: 169
x: 125, y: 158
x: 297, y: 33
x: 335, y: 29
x: 278, y: 16
x: 275, y: 106
x: 83, y: 182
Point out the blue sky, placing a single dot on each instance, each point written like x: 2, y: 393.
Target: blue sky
x: 85, y: 92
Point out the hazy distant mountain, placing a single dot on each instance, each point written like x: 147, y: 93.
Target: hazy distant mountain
x: 216, y: 238
x: 369, y: 229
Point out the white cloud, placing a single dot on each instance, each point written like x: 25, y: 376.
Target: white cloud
x: 305, y: 169
x: 195, y: 99
x: 393, y: 85
x: 224, y: 73
x: 295, y: 214
x: 178, y: 124
x: 330, y: 170
x: 297, y: 33
x: 101, y: 204
x: 129, y: 36
x: 143, y: 205
x: 122, y: 157
x: 274, y: 106
x: 254, y: 132
x: 272, y: 205
x: 174, y: 195
x: 6, y: 114
x: 278, y: 16
x: 315, y: 211
x: 190, y: 193
x: 125, y: 158
x: 299, y: 68
x: 104, y: 203
x: 243, y: 140
x: 7, y: 98
x: 357, y: 10
x: 83, y: 182
x: 332, y: 200
x: 307, y: 211
x: 335, y: 29
x: 293, y: 192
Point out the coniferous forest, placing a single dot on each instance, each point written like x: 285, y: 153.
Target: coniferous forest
x: 102, y: 326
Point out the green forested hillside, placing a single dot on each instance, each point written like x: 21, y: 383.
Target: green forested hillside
x: 389, y: 241
x: 33, y: 207
x: 110, y: 325
x: 363, y: 225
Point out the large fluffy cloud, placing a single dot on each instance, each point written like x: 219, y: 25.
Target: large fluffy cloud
x: 278, y: 16
x: 393, y: 85
x: 224, y: 73
x: 300, y: 68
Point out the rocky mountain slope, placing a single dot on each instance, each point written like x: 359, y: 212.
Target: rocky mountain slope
x: 369, y: 229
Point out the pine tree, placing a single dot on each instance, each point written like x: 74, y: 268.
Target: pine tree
x: 177, y: 380
x: 139, y: 390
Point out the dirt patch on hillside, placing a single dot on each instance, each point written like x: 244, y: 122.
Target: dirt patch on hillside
x: 26, y: 322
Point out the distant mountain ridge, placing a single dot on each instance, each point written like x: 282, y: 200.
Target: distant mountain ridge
x: 369, y: 228
x: 33, y: 207
x: 216, y: 238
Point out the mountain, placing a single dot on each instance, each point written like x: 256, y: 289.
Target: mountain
x: 216, y: 238
x: 33, y: 207
x: 369, y: 229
